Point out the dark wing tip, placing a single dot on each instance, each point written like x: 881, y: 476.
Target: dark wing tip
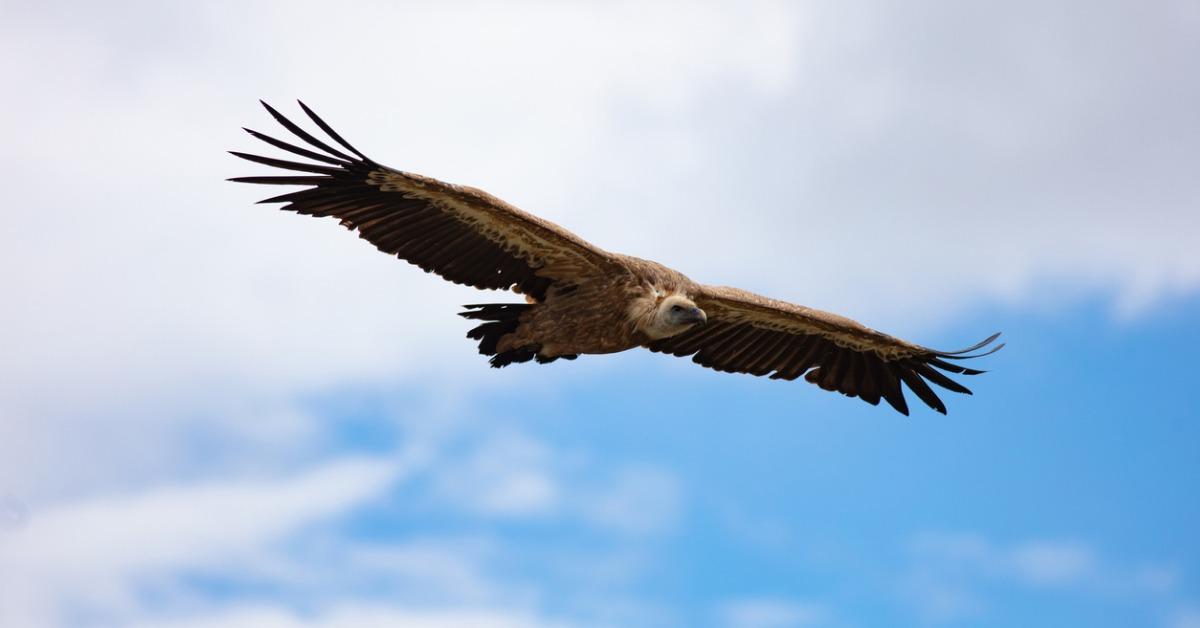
x: 271, y: 110
x: 308, y: 137
x: 329, y: 130
x: 977, y: 355
x: 979, y: 345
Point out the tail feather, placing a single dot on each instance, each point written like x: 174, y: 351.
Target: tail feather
x: 501, y: 319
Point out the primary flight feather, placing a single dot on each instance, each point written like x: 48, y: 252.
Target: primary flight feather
x: 582, y: 299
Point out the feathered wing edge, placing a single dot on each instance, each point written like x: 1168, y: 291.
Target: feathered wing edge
x: 462, y: 234
x: 751, y: 334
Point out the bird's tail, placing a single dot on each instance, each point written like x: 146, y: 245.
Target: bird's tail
x: 502, y: 318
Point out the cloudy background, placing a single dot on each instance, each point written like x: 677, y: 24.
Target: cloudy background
x: 214, y: 414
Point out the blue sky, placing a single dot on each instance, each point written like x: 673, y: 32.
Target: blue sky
x: 1069, y: 502
x: 215, y: 414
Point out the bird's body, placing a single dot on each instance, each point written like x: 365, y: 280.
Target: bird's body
x: 602, y: 314
x: 581, y: 299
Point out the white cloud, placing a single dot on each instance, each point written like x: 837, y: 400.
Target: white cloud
x: 93, y: 554
x: 770, y: 613
x: 142, y: 283
x: 132, y: 558
x: 507, y: 476
x: 361, y: 616
x: 429, y: 570
x: 1051, y: 564
x: 1187, y: 617
x: 1037, y: 563
x: 950, y: 572
x: 161, y: 297
x: 938, y: 599
x: 512, y: 475
x: 635, y: 500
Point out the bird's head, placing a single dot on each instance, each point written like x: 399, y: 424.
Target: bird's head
x: 675, y: 314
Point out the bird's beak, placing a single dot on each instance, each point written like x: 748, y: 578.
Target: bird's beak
x: 699, y: 316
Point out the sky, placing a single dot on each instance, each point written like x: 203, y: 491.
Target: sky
x: 215, y: 414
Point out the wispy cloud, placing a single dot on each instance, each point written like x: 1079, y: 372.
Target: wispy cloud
x: 360, y: 616
x: 509, y: 475
x: 770, y: 612
x: 1042, y: 563
x: 512, y: 476
x: 1036, y: 563
x: 951, y: 574
x: 1187, y: 617
x: 145, y: 554
x: 637, y: 499
x: 93, y: 555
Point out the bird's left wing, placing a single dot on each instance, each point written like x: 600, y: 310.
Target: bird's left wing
x: 748, y: 333
x: 463, y: 234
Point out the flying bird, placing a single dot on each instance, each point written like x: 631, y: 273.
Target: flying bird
x: 581, y: 299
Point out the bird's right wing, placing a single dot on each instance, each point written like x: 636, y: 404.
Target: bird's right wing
x: 748, y: 333
x: 463, y: 234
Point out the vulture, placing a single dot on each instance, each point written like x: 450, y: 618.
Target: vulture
x: 581, y: 299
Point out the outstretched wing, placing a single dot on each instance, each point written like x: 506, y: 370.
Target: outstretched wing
x: 747, y: 333
x: 463, y: 234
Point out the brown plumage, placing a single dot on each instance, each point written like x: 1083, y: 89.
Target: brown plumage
x: 582, y: 299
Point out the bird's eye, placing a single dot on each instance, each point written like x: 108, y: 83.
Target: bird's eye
x: 676, y: 308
